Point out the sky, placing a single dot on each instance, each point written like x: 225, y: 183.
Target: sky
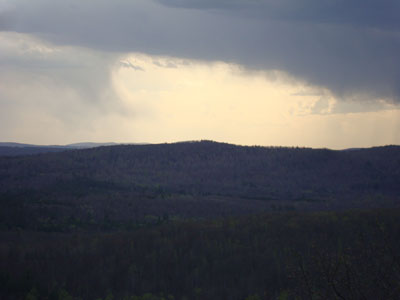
x: 313, y: 73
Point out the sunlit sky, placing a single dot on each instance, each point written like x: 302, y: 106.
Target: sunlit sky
x: 167, y: 71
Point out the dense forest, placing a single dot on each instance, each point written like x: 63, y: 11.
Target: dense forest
x: 128, y: 184
x: 200, y: 220
x: 326, y: 255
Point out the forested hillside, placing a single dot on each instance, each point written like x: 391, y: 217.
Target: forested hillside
x: 129, y: 184
x: 200, y: 221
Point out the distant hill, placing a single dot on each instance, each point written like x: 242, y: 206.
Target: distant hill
x: 131, y: 183
x: 20, y: 151
x: 89, y: 145
x: 17, y: 149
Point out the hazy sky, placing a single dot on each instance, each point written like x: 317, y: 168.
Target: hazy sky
x: 267, y: 72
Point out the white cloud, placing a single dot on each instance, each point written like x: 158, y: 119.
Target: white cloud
x: 218, y: 101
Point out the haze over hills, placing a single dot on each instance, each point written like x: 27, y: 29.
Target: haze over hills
x: 129, y: 183
x: 74, y: 145
x: 16, y: 149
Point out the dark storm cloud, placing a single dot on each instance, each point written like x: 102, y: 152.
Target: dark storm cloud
x: 373, y: 13
x: 6, y: 17
x: 348, y: 46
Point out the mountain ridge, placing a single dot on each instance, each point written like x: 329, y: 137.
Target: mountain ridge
x: 129, y: 183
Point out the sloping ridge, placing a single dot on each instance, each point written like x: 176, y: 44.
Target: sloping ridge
x: 193, y: 179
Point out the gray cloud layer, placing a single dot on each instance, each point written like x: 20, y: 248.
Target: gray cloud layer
x: 348, y: 46
x: 372, y: 13
x: 56, y: 92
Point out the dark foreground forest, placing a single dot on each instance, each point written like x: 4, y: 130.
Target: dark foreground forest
x: 325, y: 255
x: 200, y: 220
